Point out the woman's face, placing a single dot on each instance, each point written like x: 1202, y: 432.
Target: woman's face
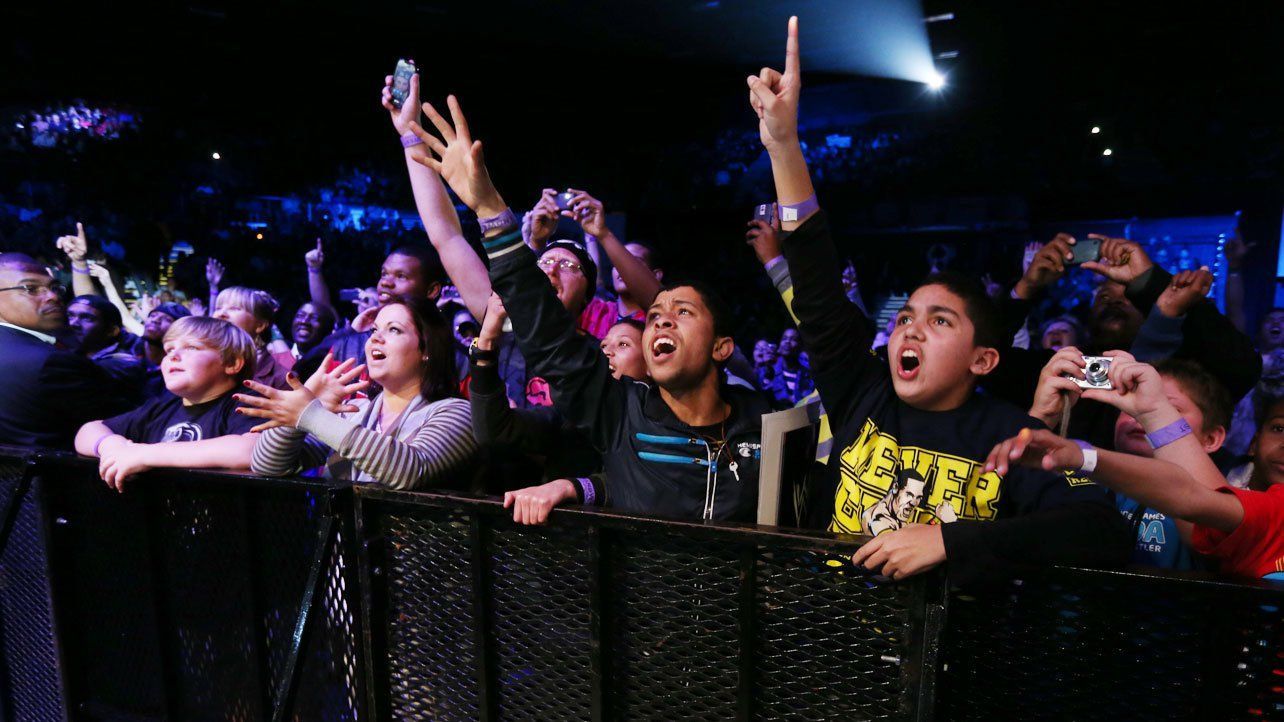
x: 393, y: 357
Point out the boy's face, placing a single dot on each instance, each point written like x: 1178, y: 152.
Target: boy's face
x: 679, y: 344
x: 1130, y: 438
x: 307, y: 326
x: 1059, y: 335
x: 192, y: 369
x: 1272, y: 331
x: 623, y: 349
x: 788, y: 347
x: 933, y: 354
x: 1268, y: 445
x: 401, y: 276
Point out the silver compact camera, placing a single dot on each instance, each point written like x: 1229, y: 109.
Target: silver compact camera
x: 1096, y: 373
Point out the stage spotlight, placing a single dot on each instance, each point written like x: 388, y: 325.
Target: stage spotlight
x: 258, y: 236
x: 936, y: 81
x: 216, y: 156
x: 1107, y: 152
x: 1096, y: 129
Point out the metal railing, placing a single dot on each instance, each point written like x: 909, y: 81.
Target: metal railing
x: 200, y: 595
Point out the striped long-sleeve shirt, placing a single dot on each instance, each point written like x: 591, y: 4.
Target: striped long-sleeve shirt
x: 432, y: 444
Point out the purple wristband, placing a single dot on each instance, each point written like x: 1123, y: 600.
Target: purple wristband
x: 1170, y: 433
x: 82, y: 271
x: 410, y: 140
x: 507, y: 219
x: 798, y: 211
x: 100, y: 443
x: 586, y: 489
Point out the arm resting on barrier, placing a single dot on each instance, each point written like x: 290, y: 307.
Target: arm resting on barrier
x: 443, y: 442
x: 286, y: 450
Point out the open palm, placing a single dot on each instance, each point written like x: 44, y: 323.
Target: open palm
x: 459, y: 158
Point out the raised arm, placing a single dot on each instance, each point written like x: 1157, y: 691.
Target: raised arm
x: 318, y: 290
x: 582, y: 385
x: 436, y: 210
x: 214, y: 277
x: 837, y: 336
x: 127, y: 318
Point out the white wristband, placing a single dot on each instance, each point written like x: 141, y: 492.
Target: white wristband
x: 1089, y: 457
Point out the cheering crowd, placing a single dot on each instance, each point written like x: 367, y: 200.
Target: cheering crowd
x: 959, y: 435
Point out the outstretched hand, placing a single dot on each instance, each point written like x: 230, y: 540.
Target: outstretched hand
x: 1186, y: 290
x: 774, y: 95
x: 283, y: 408
x: 214, y: 272
x: 459, y: 159
x: 1034, y: 449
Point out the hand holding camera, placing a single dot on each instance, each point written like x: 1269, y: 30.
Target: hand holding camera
x: 583, y: 209
x: 1120, y: 259
x: 1060, y: 384
x: 400, y: 97
x: 1135, y: 389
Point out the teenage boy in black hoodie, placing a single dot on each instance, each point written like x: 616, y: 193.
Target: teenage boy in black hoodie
x: 687, y: 446
x: 910, y: 444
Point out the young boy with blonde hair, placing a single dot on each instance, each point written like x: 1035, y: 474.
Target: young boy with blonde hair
x: 193, y: 425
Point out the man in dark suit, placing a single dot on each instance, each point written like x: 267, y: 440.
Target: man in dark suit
x: 46, y: 393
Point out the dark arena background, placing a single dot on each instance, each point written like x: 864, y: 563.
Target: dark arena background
x: 938, y: 135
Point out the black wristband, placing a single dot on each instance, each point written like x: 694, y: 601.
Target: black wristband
x: 476, y: 354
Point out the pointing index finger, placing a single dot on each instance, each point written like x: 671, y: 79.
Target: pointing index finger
x: 792, y: 64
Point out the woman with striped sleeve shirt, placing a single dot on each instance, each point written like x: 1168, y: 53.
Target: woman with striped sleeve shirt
x: 416, y: 432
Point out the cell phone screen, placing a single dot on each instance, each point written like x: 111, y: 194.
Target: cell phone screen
x: 401, y: 81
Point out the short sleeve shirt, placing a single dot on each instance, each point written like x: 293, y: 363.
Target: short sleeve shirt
x: 1255, y: 548
x: 165, y: 419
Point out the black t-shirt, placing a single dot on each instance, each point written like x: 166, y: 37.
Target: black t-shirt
x: 165, y: 418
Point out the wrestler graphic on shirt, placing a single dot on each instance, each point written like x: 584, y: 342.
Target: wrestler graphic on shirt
x: 894, y: 510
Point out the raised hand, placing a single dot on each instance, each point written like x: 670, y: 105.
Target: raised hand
x: 146, y: 304
x: 587, y: 211
x: 365, y: 320
x: 1046, y: 265
x: 1122, y: 260
x: 1236, y: 251
x: 214, y: 273
x: 532, y: 504
x: 459, y: 160
x: 315, y: 257
x: 764, y: 239
x: 100, y: 272
x: 1035, y: 449
x: 774, y: 96
x: 408, y: 112
x: 1031, y: 250
x: 1187, y: 289
x: 540, y: 222
x: 74, y: 246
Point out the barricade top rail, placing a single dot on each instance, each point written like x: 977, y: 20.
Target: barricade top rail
x: 580, y: 516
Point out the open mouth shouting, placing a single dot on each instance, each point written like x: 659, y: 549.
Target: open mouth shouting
x: 908, y: 364
x: 663, y: 348
x: 377, y: 354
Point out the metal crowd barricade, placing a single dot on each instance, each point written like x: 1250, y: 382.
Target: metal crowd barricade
x: 604, y: 616
x: 207, y: 596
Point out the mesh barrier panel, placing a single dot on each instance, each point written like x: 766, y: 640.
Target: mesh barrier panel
x: 539, y: 609
x: 675, y: 637
x: 830, y: 641
x: 1092, y: 646
x: 208, y: 602
x: 331, y: 684
x: 431, y: 617
x: 29, y: 658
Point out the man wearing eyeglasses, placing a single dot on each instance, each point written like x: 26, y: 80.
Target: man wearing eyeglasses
x: 47, y: 392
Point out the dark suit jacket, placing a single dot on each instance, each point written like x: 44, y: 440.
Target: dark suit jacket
x: 47, y: 394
